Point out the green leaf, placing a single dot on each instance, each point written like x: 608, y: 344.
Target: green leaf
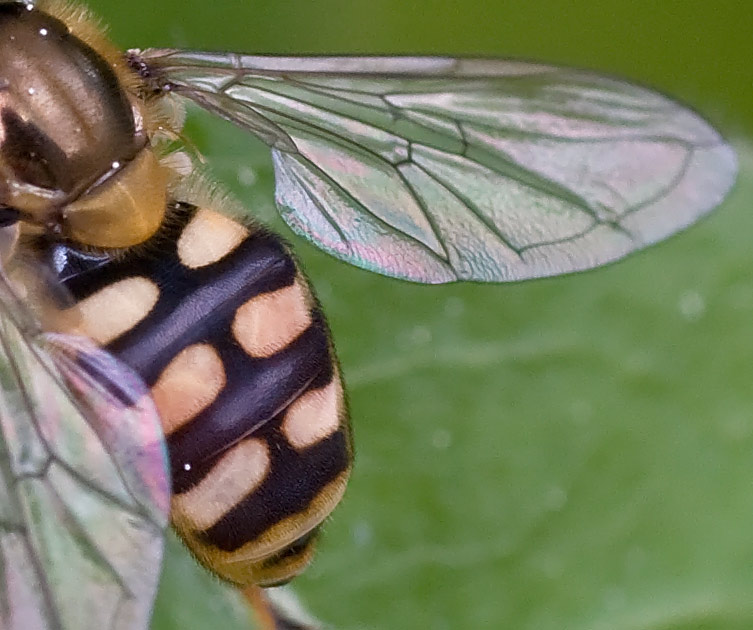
x: 570, y: 453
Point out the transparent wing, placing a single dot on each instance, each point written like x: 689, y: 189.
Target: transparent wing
x: 84, y: 493
x: 437, y: 169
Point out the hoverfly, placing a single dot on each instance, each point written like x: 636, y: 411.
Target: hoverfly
x: 133, y: 293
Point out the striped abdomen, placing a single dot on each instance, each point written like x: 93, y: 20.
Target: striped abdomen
x: 222, y: 326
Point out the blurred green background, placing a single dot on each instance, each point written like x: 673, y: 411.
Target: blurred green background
x: 574, y: 453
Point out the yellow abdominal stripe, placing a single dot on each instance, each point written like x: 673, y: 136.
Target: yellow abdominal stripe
x: 188, y: 385
x: 269, y: 322
x: 209, y: 237
x: 235, y: 475
x: 314, y: 416
x: 117, y: 308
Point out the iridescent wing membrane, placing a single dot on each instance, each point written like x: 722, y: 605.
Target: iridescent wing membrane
x: 84, y: 492
x: 439, y: 169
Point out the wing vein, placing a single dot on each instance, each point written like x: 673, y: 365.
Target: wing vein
x: 44, y: 585
x: 528, y: 151
x: 672, y: 185
x: 476, y: 211
x: 82, y: 536
x: 328, y: 217
x: 314, y: 168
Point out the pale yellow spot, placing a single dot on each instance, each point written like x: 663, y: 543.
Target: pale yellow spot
x: 237, y: 473
x: 267, y: 323
x: 188, y: 385
x: 116, y: 308
x: 314, y: 416
x: 209, y: 237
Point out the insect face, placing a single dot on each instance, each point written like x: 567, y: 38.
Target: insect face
x: 75, y: 157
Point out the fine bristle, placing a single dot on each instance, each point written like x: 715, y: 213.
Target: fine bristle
x: 202, y: 190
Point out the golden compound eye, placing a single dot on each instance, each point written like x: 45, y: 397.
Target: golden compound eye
x: 73, y: 148
x: 430, y: 169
